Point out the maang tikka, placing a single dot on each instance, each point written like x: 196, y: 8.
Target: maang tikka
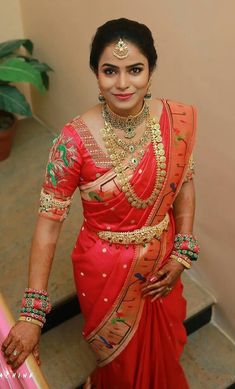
x: 121, y: 49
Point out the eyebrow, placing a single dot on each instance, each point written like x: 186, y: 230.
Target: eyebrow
x: 128, y: 67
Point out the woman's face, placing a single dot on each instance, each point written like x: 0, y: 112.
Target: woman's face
x: 123, y: 82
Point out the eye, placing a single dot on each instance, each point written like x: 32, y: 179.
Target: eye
x: 136, y: 70
x: 109, y: 71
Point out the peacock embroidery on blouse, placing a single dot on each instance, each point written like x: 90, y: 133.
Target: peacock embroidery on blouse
x: 62, y: 156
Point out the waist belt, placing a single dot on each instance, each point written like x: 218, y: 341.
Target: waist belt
x: 140, y: 236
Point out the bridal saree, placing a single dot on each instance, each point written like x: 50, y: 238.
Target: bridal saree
x: 137, y: 342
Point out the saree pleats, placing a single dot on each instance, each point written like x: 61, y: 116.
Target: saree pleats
x: 151, y: 359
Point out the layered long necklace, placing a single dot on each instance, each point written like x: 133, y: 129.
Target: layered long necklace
x: 119, y: 150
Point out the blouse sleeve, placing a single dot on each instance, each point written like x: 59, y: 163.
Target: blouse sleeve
x: 62, y: 175
x: 190, y: 170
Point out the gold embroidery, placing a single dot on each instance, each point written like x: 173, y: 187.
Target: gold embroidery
x: 191, y: 170
x: 49, y: 203
x: 99, y: 157
x: 140, y: 236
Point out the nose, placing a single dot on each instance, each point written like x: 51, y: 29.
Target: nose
x: 122, y: 81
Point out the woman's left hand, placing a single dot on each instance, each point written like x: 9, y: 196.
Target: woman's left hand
x: 161, y: 283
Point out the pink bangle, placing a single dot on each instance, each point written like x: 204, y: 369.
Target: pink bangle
x: 36, y: 291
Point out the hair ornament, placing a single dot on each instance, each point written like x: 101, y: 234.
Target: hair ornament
x: 121, y: 50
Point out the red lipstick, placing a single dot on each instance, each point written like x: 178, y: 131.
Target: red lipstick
x: 123, y: 96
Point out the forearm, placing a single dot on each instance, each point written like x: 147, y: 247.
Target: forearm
x: 42, y: 252
x: 184, y: 209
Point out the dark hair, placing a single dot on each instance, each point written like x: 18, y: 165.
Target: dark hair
x: 132, y: 31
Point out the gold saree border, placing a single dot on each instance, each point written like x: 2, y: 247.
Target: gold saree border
x: 180, y: 145
x: 113, y: 334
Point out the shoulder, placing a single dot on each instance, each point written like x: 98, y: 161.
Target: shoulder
x: 157, y: 106
x: 182, y: 118
x: 177, y: 107
x: 182, y: 115
x: 91, y: 119
x: 79, y: 123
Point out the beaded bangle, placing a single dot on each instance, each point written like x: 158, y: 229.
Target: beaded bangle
x: 31, y: 320
x: 35, y: 305
x: 34, y: 316
x: 31, y: 310
x: 42, y: 305
x: 187, y: 245
x: 192, y: 255
x: 39, y: 292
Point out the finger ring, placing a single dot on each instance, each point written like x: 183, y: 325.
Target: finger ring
x: 15, y: 352
x: 169, y: 288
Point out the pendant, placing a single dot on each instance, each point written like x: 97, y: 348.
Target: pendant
x: 131, y: 148
x: 129, y: 133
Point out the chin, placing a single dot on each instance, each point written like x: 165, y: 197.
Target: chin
x: 125, y: 105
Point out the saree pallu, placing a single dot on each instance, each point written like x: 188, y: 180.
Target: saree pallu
x: 137, y: 343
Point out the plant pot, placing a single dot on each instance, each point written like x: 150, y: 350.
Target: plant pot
x: 8, y: 124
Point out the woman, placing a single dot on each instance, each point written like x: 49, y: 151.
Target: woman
x: 131, y: 161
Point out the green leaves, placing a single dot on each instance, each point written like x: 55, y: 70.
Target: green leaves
x: 42, y: 67
x: 17, y: 70
x: 18, y: 67
x: 9, y: 47
x: 12, y: 100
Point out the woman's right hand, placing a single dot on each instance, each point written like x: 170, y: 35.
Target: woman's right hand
x: 20, y: 342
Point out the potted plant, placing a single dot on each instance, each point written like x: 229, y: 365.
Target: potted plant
x: 15, y: 67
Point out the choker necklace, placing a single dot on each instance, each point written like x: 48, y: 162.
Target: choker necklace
x: 129, y: 123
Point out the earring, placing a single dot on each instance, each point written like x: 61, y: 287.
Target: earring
x: 148, y: 93
x: 101, y: 98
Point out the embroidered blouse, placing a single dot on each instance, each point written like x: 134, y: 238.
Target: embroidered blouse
x: 75, y: 159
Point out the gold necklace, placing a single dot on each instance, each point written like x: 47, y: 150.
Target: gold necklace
x: 129, y: 123
x: 133, y: 146
x: 135, y: 149
x: 118, y: 157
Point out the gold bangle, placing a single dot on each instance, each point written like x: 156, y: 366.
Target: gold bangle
x: 183, y: 262
x: 31, y: 320
x: 181, y: 257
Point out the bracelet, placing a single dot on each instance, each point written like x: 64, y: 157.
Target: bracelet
x: 32, y: 310
x: 186, y: 245
x: 35, y: 305
x: 192, y: 255
x: 183, y: 261
x: 34, y: 316
x: 31, y: 320
x: 40, y: 292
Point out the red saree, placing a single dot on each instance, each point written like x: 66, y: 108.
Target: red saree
x: 137, y: 343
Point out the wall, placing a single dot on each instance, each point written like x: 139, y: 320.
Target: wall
x: 10, y: 20
x: 12, y: 28
x: 196, y: 65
